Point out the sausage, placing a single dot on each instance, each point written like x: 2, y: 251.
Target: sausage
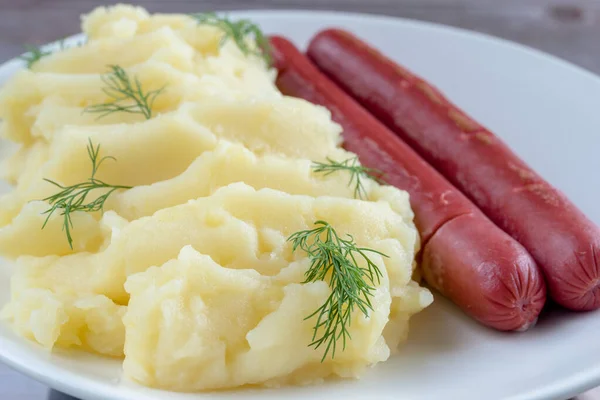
x: 464, y: 255
x: 562, y: 240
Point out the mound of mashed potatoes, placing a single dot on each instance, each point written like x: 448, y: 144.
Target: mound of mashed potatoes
x: 188, y: 276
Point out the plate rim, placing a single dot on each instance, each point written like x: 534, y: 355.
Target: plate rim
x: 482, y: 36
x: 84, y: 387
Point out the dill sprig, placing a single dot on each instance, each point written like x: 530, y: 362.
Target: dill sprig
x: 238, y: 31
x: 73, y: 198
x: 126, y: 93
x: 351, y: 285
x: 33, y: 55
x: 357, y: 172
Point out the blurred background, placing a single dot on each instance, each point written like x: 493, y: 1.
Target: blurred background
x: 569, y: 29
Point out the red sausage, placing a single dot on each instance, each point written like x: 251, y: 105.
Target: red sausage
x: 464, y: 255
x: 563, y: 241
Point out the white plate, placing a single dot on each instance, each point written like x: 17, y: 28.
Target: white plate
x: 547, y: 110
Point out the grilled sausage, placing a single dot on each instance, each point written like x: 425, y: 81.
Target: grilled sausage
x: 464, y: 255
x: 562, y: 240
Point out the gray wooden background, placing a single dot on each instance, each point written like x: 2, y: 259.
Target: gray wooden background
x: 567, y: 28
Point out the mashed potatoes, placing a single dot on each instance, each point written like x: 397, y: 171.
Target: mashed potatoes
x: 188, y: 275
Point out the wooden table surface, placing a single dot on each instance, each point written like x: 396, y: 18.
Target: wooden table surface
x: 567, y: 28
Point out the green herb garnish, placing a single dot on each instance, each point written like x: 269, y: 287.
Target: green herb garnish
x: 33, y: 55
x: 351, y: 285
x: 238, y: 31
x: 357, y: 172
x: 73, y: 198
x: 127, y: 95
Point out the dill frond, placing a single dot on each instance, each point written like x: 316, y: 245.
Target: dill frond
x: 126, y: 94
x: 352, y: 286
x: 357, y: 173
x: 33, y: 55
x: 238, y: 31
x: 74, y: 198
